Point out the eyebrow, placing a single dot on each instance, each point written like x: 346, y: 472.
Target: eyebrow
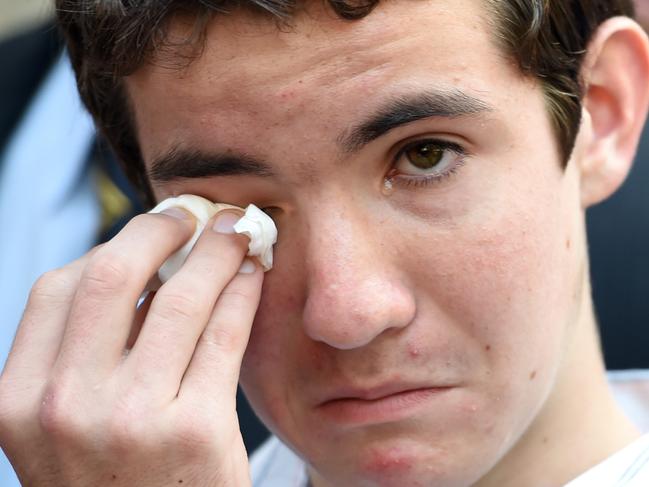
x: 408, y: 109
x: 179, y: 163
x: 194, y: 164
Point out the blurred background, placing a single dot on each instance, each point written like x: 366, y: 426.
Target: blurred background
x: 18, y: 15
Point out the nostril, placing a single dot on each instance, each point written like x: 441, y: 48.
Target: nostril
x: 343, y: 339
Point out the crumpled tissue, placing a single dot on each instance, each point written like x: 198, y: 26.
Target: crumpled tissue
x: 255, y: 224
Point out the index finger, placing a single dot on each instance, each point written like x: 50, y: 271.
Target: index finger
x: 103, y: 309
x: 38, y: 337
x: 213, y: 372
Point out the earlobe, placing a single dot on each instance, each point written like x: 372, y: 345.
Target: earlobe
x: 616, y: 81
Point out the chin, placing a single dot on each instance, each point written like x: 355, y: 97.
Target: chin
x: 401, y: 465
x: 402, y: 461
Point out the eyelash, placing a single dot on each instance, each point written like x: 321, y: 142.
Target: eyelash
x: 410, y: 181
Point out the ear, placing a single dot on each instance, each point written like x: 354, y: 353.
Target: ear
x: 615, y: 74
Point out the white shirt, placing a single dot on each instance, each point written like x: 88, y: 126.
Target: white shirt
x: 627, y: 468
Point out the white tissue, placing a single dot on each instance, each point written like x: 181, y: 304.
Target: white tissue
x: 256, y: 224
x: 261, y: 230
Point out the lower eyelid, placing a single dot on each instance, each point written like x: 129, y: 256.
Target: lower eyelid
x: 410, y: 181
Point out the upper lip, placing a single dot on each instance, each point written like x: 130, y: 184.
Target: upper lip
x: 375, y: 392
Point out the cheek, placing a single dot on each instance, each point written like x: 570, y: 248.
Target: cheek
x: 274, y: 333
x: 275, y: 345
x: 270, y: 339
x: 504, y: 279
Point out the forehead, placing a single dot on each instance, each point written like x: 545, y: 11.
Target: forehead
x: 252, y: 77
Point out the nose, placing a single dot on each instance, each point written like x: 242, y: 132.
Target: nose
x: 355, y: 291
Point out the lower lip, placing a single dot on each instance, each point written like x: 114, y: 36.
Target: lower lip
x: 382, y: 410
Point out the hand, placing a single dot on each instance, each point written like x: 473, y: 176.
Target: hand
x: 96, y: 393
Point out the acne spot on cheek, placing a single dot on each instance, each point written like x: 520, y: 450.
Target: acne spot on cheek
x: 388, y: 462
x: 568, y: 244
x: 533, y: 375
x: 470, y: 408
x: 487, y: 347
x: 413, y: 350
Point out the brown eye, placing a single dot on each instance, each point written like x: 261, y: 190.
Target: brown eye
x: 427, y: 159
x: 426, y: 155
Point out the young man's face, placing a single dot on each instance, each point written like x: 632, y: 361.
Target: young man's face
x: 428, y: 274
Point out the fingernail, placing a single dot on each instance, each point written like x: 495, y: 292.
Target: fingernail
x: 176, y: 213
x: 248, y: 267
x: 225, y: 222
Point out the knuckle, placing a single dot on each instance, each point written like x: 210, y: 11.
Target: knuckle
x: 55, y: 415
x: 106, y: 273
x: 52, y: 285
x: 237, y: 298
x: 178, y: 305
x: 222, y: 339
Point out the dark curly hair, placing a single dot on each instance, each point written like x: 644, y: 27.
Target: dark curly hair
x: 110, y: 39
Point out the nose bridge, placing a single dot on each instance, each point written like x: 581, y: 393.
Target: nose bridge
x: 353, y: 292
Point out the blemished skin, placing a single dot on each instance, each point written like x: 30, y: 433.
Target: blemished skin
x: 419, y: 327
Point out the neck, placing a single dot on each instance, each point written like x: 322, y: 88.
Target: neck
x: 580, y: 420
